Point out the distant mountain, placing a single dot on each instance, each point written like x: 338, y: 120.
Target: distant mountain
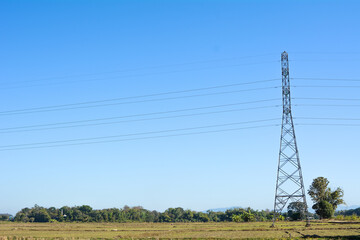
x: 221, y: 209
x: 344, y: 207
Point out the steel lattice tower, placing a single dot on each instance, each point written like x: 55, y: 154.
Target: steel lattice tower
x: 289, y: 183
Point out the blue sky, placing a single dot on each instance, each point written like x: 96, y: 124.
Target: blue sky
x: 65, y: 52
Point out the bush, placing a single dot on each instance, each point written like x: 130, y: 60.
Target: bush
x: 325, y: 209
x: 340, y: 217
x: 248, y: 217
x: 41, y: 216
x: 236, y: 218
x: 353, y: 217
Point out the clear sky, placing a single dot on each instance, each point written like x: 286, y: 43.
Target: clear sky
x: 119, y: 58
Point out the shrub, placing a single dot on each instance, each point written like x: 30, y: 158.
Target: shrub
x: 340, y: 217
x: 248, y: 217
x: 236, y: 218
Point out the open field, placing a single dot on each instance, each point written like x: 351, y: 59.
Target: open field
x: 257, y: 230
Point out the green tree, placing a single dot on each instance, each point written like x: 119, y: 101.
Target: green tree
x: 41, y: 215
x: 188, y: 216
x: 233, y: 211
x: 325, y: 200
x: 248, y: 216
x: 4, y: 217
x: 201, y: 217
x: 85, y: 209
x: 325, y: 209
x: 296, y: 210
x: 236, y: 218
x: 164, y: 217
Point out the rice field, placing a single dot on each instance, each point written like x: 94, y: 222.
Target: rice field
x: 255, y: 230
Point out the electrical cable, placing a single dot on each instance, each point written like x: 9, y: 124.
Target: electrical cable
x: 309, y: 86
x: 324, y: 105
x: 324, y: 60
x: 328, y: 79
x: 142, y: 138
x: 64, y: 106
x: 143, y: 68
x: 133, y: 120
x: 146, y: 114
x: 326, y: 53
x: 136, y: 134
x: 328, y: 124
x: 330, y: 99
x: 136, y: 75
x: 328, y: 118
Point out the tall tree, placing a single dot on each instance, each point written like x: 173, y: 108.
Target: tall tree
x: 325, y: 200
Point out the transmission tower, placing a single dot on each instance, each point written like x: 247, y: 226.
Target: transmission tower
x: 289, y: 183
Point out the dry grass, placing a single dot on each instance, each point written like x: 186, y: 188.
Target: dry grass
x: 258, y: 230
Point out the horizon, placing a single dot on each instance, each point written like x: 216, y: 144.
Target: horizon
x: 341, y: 207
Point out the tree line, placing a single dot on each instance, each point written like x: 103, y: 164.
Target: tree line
x: 349, y: 212
x: 86, y: 213
x: 325, y: 204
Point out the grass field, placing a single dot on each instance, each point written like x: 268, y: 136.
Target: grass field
x: 257, y: 230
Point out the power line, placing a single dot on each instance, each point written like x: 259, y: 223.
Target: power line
x: 142, y: 138
x: 330, y: 99
x: 144, y: 68
x: 138, y: 120
x: 81, y: 122
x: 136, y: 75
x: 147, y: 114
x: 163, y: 93
x: 329, y: 79
x: 324, y: 86
x: 324, y: 105
x: 325, y: 60
x: 135, y: 134
x: 68, y: 106
x: 328, y: 118
x: 328, y: 53
x: 328, y: 124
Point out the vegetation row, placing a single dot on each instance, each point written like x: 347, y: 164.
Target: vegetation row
x: 325, y: 203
